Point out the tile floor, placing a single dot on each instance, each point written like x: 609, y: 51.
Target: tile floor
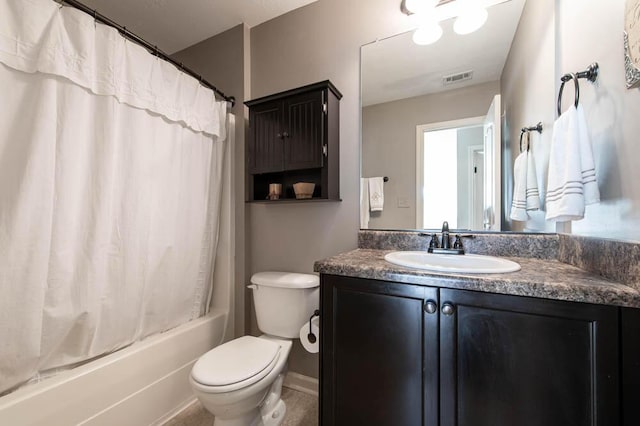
x: 302, y: 410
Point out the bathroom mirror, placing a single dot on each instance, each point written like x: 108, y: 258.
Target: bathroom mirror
x: 439, y: 120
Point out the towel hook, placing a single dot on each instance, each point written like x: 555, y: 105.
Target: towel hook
x: 565, y: 78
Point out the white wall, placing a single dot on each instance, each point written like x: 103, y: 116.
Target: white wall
x: 578, y: 33
x: 528, y: 96
x: 592, y: 32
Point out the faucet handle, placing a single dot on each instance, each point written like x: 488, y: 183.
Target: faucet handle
x: 434, y: 243
x: 457, y: 244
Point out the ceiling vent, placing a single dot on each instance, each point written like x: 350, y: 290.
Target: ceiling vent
x: 457, y: 78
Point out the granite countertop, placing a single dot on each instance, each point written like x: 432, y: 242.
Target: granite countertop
x: 542, y: 278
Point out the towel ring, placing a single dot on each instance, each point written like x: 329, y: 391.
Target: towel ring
x: 566, y: 78
x: 528, y: 130
x: 522, y: 133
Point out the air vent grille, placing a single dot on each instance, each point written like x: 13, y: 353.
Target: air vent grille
x: 457, y: 78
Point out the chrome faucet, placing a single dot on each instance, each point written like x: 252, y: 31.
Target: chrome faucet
x: 444, y: 246
x: 446, y: 242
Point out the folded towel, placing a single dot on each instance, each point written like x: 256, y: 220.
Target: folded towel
x: 364, y: 203
x: 526, y: 197
x: 376, y: 194
x: 572, y: 176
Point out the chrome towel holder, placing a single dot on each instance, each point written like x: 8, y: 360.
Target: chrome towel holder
x: 536, y: 128
x: 591, y: 74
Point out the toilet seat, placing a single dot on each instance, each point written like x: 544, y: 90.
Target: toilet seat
x: 236, y: 364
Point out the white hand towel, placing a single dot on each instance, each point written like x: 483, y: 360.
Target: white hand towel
x: 591, y: 191
x: 376, y: 194
x: 364, y: 203
x: 572, y: 177
x: 526, y: 197
x: 533, y: 195
x: 519, y: 203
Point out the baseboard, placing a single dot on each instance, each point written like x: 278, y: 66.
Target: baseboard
x: 301, y: 383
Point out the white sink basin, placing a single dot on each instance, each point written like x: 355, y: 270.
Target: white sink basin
x: 467, y: 263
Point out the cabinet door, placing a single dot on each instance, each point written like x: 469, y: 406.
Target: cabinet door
x: 266, y: 148
x: 509, y: 360
x: 305, y: 132
x: 379, y: 353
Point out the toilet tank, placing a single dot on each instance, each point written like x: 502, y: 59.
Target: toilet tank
x: 284, y: 301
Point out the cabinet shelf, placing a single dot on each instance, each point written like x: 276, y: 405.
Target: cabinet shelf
x: 295, y: 200
x: 294, y: 137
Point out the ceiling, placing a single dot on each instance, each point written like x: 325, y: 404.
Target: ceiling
x: 173, y: 25
x: 396, y: 68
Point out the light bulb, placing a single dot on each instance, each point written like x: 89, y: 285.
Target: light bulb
x: 419, y: 6
x: 427, y: 34
x: 470, y: 20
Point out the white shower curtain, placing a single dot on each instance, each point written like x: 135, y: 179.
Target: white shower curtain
x: 110, y: 169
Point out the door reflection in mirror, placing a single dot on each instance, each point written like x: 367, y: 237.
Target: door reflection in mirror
x: 458, y: 172
x: 451, y: 190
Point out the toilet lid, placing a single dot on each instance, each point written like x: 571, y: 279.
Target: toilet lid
x: 236, y: 361
x: 285, y: 280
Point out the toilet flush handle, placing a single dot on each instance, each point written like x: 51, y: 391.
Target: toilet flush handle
x: 252, y: 287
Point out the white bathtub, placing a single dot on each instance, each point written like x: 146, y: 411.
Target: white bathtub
x: 143, y: 384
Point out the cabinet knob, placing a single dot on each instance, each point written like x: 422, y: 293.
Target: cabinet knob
x: 285, y: 134
x: 447, y: 309
x: 430, y: 307
x: 279, y: 135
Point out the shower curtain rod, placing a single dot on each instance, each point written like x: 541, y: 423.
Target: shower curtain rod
x: 151, y: 48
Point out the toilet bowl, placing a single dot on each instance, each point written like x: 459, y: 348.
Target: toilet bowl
x: 249, y: 397
x: 240, y: 382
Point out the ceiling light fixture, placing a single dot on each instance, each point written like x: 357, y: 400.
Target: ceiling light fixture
x: 471, y: 19
x: 470, y: 16
x: 427, y: 34
x: 419, y: 6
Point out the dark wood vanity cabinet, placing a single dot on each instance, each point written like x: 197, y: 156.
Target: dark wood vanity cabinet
x: 508, y: 360
x: 378, y: 344
x: 401, y: 354
x: 294, y: 137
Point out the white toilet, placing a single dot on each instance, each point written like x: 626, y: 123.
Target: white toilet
x: 240, y: 381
